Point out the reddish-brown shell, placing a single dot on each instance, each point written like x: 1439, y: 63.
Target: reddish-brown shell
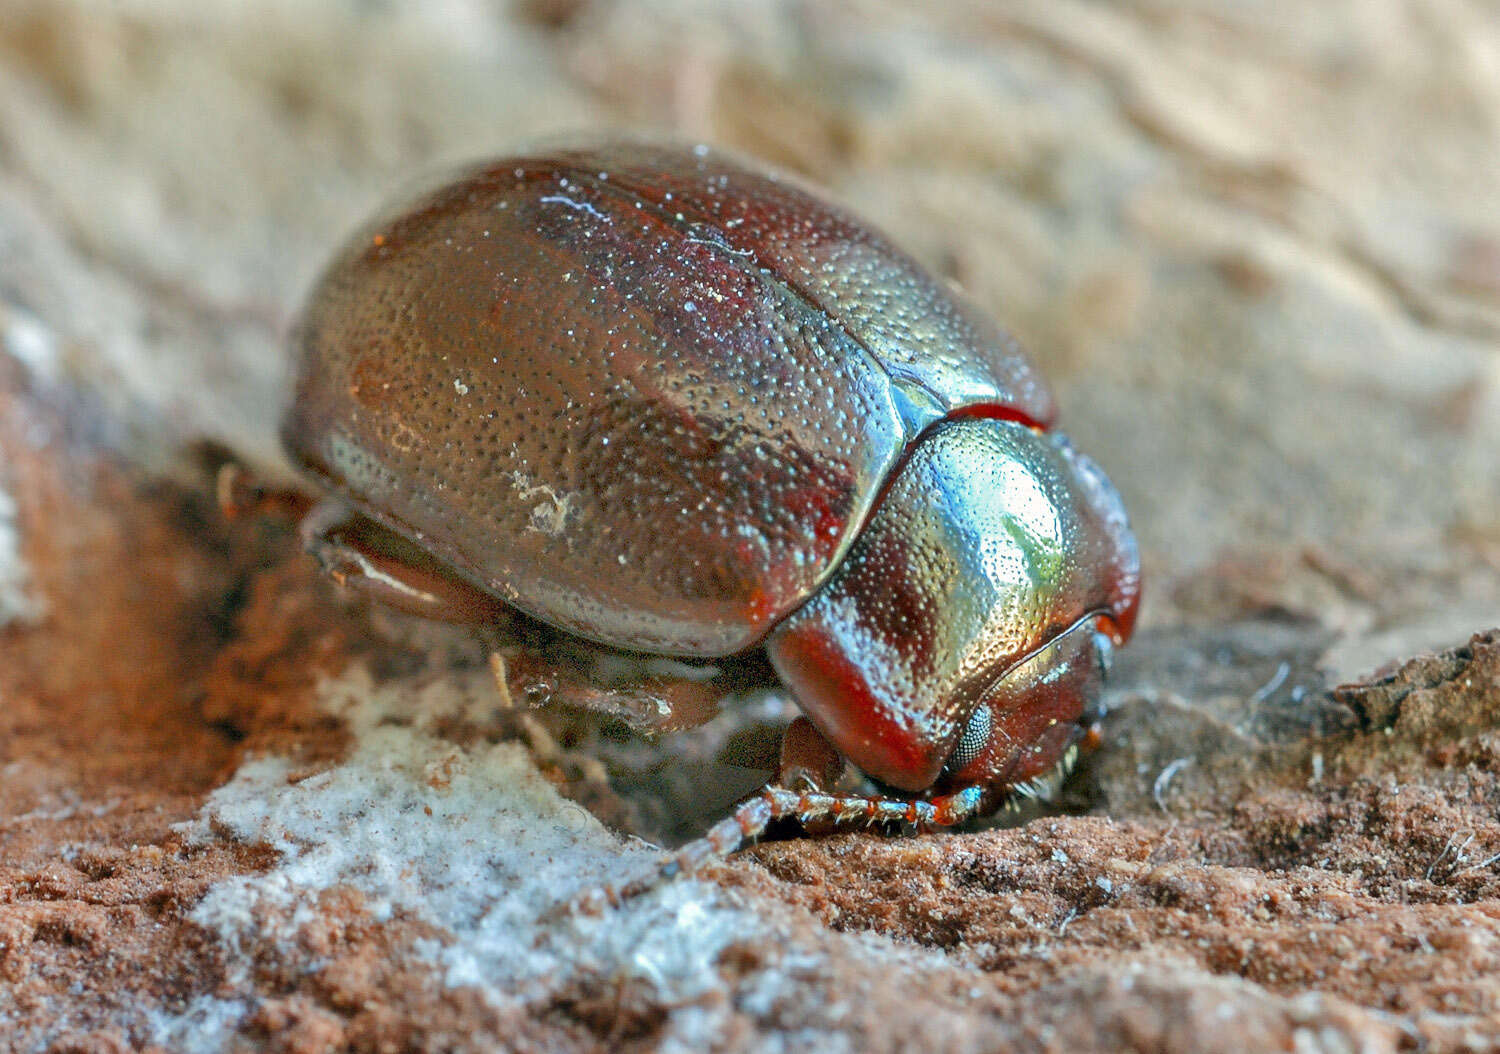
x: 646, y: 394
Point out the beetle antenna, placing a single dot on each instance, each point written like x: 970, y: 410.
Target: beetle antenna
x: 775, y: 802
x: 772, y: 802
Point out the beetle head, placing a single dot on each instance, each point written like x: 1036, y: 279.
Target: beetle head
x: 962, y: 639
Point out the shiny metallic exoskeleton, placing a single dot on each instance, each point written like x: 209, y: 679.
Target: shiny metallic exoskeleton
x: 672, y: 403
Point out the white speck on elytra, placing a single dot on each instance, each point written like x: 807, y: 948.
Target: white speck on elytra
x: 550, y: 516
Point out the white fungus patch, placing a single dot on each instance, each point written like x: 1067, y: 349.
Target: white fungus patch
x: 473, y: 842
x: 29, y: 341
x: 18, y: 601
x: 203, y: 1026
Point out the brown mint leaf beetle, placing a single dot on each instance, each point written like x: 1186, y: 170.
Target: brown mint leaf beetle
x: 671, y: 403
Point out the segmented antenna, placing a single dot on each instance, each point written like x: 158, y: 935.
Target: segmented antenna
x: 771, y: 803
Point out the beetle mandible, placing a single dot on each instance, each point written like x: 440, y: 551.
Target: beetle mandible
x: 673, y: 403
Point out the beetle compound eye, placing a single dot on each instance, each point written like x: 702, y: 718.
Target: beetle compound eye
x: 972, y: 743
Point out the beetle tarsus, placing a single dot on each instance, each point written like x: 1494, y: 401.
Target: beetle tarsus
x: 239, y: 496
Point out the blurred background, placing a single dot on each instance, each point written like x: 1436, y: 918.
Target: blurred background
x: 1257, y: 248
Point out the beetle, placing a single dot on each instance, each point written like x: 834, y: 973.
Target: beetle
x: 673, y: 403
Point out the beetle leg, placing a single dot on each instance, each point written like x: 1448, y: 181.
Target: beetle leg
x: 807, y: 759
x: 809, y: 762
x: 239, y: 496
x: 771, y: 803
x: 648, y: 703
x: 382, y: 566
x: 359, y: 553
